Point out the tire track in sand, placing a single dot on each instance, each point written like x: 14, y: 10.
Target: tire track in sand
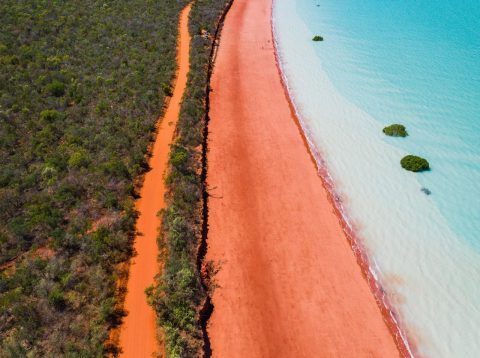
x: 138, y: 334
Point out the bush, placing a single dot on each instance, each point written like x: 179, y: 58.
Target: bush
x: 179, y: 156
x: 414, y: 163
x: 395, y: 130
x: 57, y: 299
x: 167, y: 89
x: 102, y: 107
x: 317, y: 38
x: 56, y: 88
x: 50, y: 115
x: 78, y: 159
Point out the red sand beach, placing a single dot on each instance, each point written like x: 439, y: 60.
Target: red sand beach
x: 289, y: 283
x: 138, y: 332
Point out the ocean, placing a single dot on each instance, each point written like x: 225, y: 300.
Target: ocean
x: 416, y: 63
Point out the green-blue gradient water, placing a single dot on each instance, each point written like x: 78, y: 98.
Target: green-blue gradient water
x: 416, y: 63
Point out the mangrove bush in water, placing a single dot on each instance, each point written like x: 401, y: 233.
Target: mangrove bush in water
x: 414, y: 163
x: 395, y: 130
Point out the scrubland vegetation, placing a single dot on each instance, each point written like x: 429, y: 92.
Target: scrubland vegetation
x: 81, y: 86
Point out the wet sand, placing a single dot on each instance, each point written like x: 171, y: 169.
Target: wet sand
x: 138, y: 335
x: 289, y: 283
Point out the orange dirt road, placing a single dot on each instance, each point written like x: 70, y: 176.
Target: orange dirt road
x: 138, y: 335
x: 289, y: 283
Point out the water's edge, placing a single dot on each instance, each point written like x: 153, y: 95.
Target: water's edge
x: 390, y: 316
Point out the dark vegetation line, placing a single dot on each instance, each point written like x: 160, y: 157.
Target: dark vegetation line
x: 181, y: 294
x: 81, y: 86
x: 206, y: 279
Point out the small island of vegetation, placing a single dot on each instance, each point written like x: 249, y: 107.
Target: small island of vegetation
x: 414, y: 163
x: 395, y: 130
x: 317, y: 38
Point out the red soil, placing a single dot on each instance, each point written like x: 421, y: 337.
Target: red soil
x: 289, y: 283
x: 138, y: 336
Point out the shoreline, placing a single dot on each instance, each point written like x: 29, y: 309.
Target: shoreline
x: 266, y: 195
x: 404, y: 344
x: 143, y: 266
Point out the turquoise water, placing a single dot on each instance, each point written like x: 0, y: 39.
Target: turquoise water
x: 415, y: 63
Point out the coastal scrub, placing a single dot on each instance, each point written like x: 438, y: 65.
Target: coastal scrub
x: 317, y: 38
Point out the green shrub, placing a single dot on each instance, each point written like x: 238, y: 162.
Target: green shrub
x: 50, y: 115
x: 57, y: 299
x: 167, y: 89
x: 317, y: 38
x: 78, y: 159
x: 101, y: 107
x: 395, y: 130
x: 55, y: 88
x: 54, y: 61
x: 414, y: 163
x: 116, y: 168
x: 179, y: 156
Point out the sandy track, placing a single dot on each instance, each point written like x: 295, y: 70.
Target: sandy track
x: 289, y: 282
x: 138, y: 332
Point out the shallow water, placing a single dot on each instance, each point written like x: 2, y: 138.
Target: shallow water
x: 417, y: 64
